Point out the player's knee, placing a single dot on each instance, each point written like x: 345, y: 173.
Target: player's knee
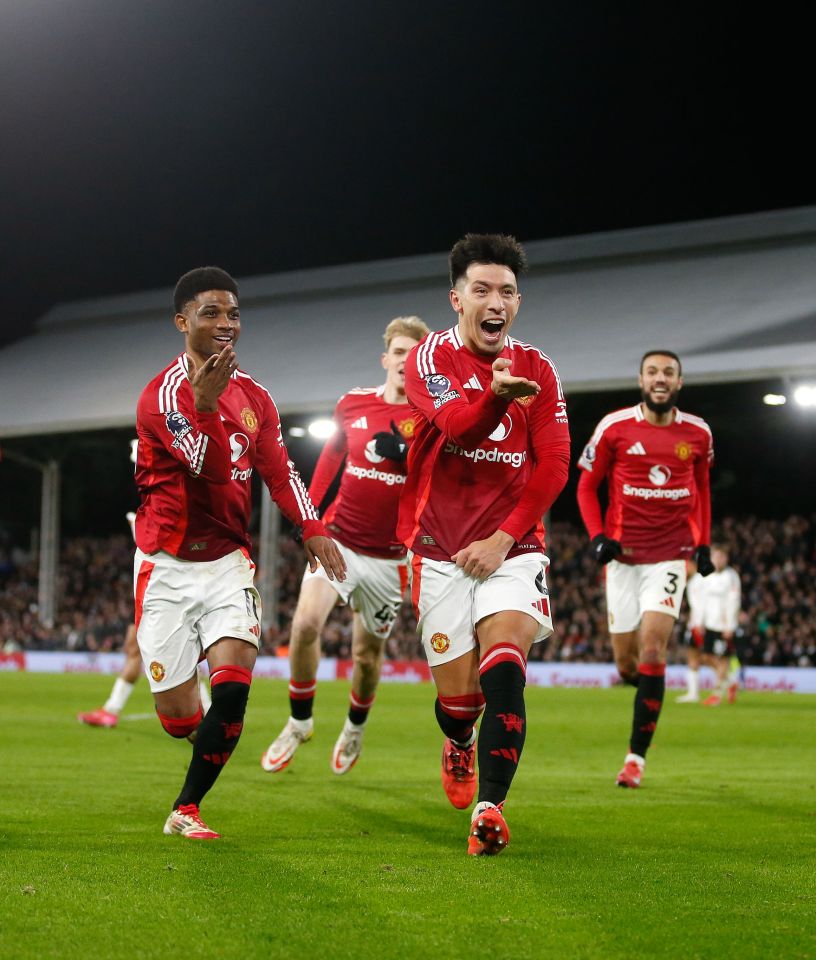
x: 367, y: 658
x: 652, y: 653
x: 181, y: 727
x: 306, y: 629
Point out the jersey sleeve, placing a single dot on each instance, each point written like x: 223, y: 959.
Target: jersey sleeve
x: 442, y: 400
x: 594, y: 463
x: 281, y: 476
x: 330, y: 460
x: 199, y: 442
x: 550, y: 442
x: 702, y: 467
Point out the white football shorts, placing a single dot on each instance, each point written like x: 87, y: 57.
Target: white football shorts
x: 449, y: 603
x: 373, y: 588
x: 183, y: 607
x: 632, y: 589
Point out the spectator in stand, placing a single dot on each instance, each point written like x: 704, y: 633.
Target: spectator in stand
x: 776, y: 560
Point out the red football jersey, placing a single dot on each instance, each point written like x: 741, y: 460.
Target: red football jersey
x: 363, y: 515
x: 659, y: 502
x: 480, y: 463
x: 194, y: 470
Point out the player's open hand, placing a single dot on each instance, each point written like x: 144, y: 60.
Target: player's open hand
x: 323, y: 550
x: 506, y: 385
x: 210, y: 379
x: 483, y: 557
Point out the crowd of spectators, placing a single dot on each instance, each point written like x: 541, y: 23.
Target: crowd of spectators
x: 776, y: 561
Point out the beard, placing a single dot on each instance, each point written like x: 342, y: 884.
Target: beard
x: 662, y: 407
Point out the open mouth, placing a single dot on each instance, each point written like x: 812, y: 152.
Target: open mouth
x: 224, y: 338
x: 492, y: 330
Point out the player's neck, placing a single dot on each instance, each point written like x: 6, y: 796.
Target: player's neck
x: 393, y: 394
x: 197, y: 359
x: 658, y: 419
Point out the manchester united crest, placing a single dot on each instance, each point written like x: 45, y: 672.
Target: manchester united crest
x: 249, y: 420
x: 525, y: 401
x: 683, y: 450
x: 440, y: 642
x: 157, y: 671
x: 406, y: 427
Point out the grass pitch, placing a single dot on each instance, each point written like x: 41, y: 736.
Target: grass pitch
x: 713, y: 857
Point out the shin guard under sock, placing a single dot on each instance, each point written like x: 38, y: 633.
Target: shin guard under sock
x: 503, y: 674
x: 218, y: 732
x: 648, y: 701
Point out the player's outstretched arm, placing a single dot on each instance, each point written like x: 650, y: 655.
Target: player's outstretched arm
x: 483, y: 557
x: 323, y: 550
x: 505, y: 385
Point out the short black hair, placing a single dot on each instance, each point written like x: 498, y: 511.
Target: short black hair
x: 197, y: 281
x: 486, y: 248
x: 662, y: 353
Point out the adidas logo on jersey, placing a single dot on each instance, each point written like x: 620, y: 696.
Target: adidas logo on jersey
x: 361, y: 423
x: 473, y: 384
x: 637, y: 449
x: 668, y: 602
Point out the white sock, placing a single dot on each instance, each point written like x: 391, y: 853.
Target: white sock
x: 693, y: 682
x: 640, y: 761
x: 204, y: 693
x: 118, y: 696
x: 302, y: 725
x: 466, y: 744
x: 480, y: 808
x: 354, y: 727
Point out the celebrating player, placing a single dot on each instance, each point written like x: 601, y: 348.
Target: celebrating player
x: 715, y: 614
x: 204, y: 426
x: 374, y: 427
x: 490, y: 455
x: 656, y: 460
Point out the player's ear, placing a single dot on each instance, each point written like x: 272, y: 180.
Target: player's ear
x: 384, y: 361
x: 181, y: 322
x: 455, y: 301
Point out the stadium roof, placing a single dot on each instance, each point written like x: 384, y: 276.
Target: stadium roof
x: 735, y: 297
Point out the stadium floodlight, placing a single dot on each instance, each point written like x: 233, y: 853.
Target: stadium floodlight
x: 297, y: 432
x: 775, y: 399
x: 805, y: 395
x: 322, y: 429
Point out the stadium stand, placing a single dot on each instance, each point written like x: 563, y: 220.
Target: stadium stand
x: 776, y: 560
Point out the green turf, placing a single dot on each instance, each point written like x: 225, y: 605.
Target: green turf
x: 713, y: 857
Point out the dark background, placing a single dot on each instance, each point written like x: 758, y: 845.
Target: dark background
x: 141, y: 139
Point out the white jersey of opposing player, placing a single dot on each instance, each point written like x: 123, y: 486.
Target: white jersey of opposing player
x: 721, y: 596
x: 696, y: 601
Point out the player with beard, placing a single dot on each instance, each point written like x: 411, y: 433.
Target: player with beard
x: 656, y: 461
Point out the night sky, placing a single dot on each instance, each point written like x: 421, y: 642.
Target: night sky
x: 141, y: 139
